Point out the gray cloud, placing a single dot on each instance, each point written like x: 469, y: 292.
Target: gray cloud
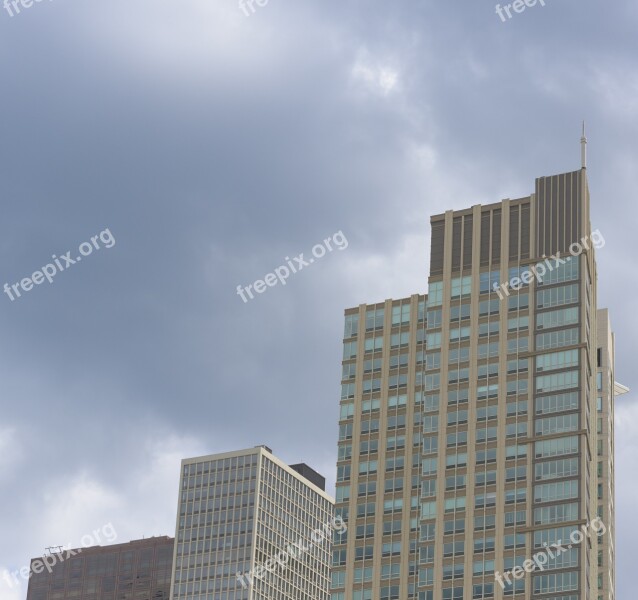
x: 214, y: 145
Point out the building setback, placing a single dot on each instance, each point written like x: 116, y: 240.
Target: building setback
x: 137, y: 570
x: 250, y: 527
x: 476, y: 423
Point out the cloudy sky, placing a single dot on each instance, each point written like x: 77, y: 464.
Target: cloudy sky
x: 212, y: 145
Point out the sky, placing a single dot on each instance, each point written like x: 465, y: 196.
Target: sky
x: 204, y: 147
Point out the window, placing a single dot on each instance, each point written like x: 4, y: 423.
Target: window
x: 433, y: 340
x: 557, y: 360
x: 517, y: 408
x: 485, y: 413
x: 458, y: 438
x: 487, y: 281
x: 486, y: 456
x: 551, y: 492
x: 428, y: 466
x: 515, y: 518
x: 457, y: 418
x: 461, y: 286
x: 557, y: 469
x: 557, y: 339
x: 518, y: 323
x: 557, y: 381
x: 559, y: 513
x: 454, y: 549
x: 456, y: 526
x: 374, y: 319
x: 556, y: 582
x: 485, y: 500
x: 517, y: 345
x: 349, y: 350
x: 349, y: 371
x: 401, y: 314
x: 400, y: 400
x: 430, y: 423
x: 435, y: 293
x: 454, y: 504
x: 557, y: 403
x: 517, y: 366
x: 396, y: 361
x: 559, y: 424
x: 487, y: 434
x: 514, y: 452
x: 515, y: 496
x: 371, y: 385
x: 457, y: 355
x: 430, y: 402
x: 455, y: 482
x: 433, y: 360
x: 400, y: 340
x: 347, y: 411
x: 485, y: 478
x: 457, y: 397
x: 373, y: 344
x: 456, y: 460
x: 351, y: 326
x: 428, y: 510
x: 518, y: 302
x: 558, y: 296
x: 483, y: 545
x: 489, y: 307
x: 490, y: 370
x: 557, y: 318
x: 488, y: 350
x: 483, y: 522
x: 516, y: 474
x: 460, y: 312
x: 487, y: 391
x: 487, y: 329
x: 546, y: 537
x: 460, y: 334
x: 428, y: 489
x: 556, y: 447
x: 459, y: 376
x: 559, y: 273
x: 517, y: 388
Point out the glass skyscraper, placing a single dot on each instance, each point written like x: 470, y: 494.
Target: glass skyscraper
x: 137, y: 570
x: 476, y: 423
x: 250, y: 527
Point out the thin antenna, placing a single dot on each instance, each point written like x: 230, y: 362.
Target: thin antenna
x: 583, y: 149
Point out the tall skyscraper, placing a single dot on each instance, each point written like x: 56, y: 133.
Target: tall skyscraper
x: 250, y: 527
x: 137, y: 570
x: 476, y: 426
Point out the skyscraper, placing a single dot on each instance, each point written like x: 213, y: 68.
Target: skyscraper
x: 137, y: 570
x: 476, y: 425
x: 250, y: 527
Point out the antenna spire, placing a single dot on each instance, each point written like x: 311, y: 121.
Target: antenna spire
x: 583, y: 149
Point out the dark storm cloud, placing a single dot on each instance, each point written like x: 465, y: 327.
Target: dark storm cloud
x: 214, y: 145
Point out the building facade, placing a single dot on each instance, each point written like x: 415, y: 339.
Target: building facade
x: 250, y: 527
x: 476, y: 425
x: 137, y: 570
